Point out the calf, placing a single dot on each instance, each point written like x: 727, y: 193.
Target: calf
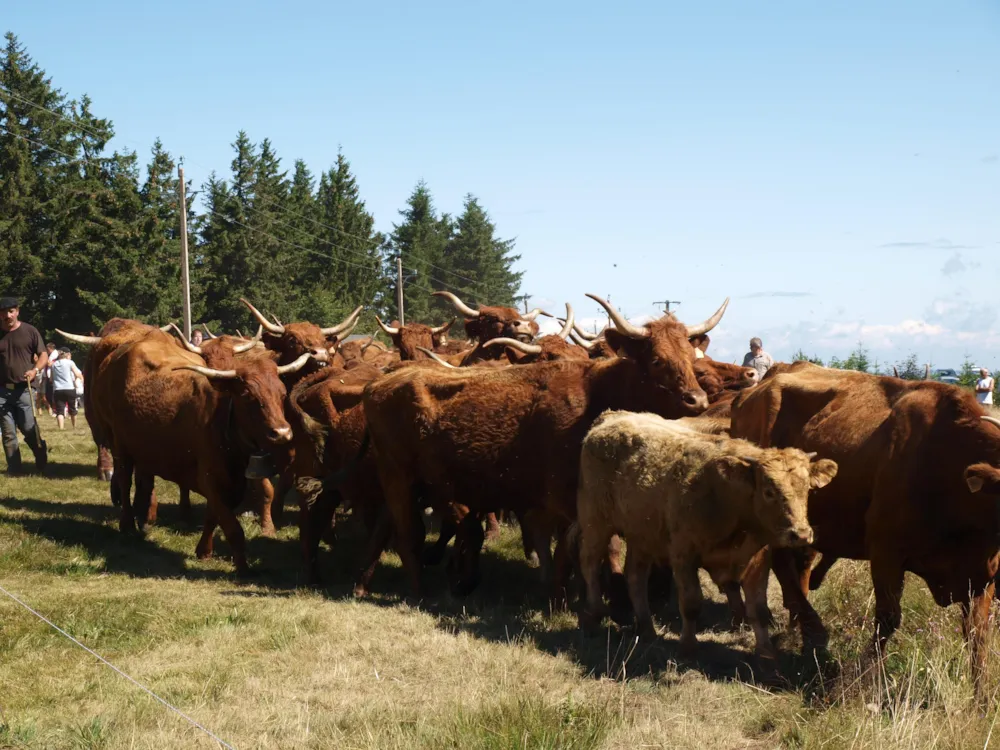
x: 688, y: 499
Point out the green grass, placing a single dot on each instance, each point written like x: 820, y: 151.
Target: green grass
x: 268, y: 663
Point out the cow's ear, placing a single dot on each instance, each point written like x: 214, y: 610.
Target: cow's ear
x: 982, y: 476
x: 821, y: 472
x: 736, y: 469
x: 626, y: 346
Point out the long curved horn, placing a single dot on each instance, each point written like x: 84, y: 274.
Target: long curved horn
x: 389, y: 330
x: 514, y: 344
x: 187, y: 344
x: 166, y: 327
x: 530, y: 316
x: 570, y: 319
x: 370, y: 341
x: 622, y: 325
x: 240, y: 348
x: 209, y: 373
x: 991, y: 420
x: 459, y: 305
x: 88, y: 340
x: 585, y: 334
x: 349, y: 322
x: 927, y: 372
x: 588, y: 345
x: 445, y: 327
x: 268, y: 325
x: 895, y: 372
x: 208, y: 332
x: 296, y: 365
x: 437, y: 359
x: 708, y: 325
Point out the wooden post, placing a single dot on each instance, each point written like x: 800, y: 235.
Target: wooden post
x: 399, y: 288
x: 185, y: 279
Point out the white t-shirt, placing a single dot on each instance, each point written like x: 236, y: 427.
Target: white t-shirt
x: 987, y: 397
x: 64, y: 375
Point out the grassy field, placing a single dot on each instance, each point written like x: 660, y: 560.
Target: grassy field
x: 266, y: 663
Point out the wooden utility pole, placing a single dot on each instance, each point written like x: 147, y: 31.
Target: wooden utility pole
x: 185, y: 279
x: 399, y: 288
x: 667, y: 303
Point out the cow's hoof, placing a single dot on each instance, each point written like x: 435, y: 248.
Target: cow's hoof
x: 532, y: 559
x: 268, y: 531
x: 360, y: 592
x: 590, y: 622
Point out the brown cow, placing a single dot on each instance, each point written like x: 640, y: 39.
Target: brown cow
x: 510, y: 437
x: 168, y: 415
x: 546, y: 349
x: 689, y: 499
x: 493, y: 322
x: 116, y: 332
x: 327, y: 407
x: 293, y: 340
x: 918, y: 489
x: 409, y: 339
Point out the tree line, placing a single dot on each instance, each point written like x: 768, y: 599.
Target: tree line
x: 86, y: 235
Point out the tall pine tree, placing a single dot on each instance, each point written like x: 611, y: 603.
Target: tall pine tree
x: 481, y: 261
x: 420, y: 239
x: 346, y: 268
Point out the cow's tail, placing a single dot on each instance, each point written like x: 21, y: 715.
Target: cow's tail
x: 316, y: 430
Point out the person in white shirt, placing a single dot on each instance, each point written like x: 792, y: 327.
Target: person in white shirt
x: 984, y: 387
x: 65, y: 375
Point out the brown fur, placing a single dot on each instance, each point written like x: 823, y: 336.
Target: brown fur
x: 906, y: 451
x: 510, y: 437
x: 175, y: 424
x: 689, y: 499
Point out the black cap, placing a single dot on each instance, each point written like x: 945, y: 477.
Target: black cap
x: 64, y: 350
x: 7, y: 302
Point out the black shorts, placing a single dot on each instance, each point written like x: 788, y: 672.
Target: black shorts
x: 66, y: 399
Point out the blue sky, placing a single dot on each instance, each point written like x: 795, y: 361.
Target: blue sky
x: 833, y: 167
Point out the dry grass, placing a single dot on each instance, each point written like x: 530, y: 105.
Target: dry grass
x: 267, y: 663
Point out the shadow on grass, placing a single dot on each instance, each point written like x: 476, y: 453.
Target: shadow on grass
x: 508, y: 606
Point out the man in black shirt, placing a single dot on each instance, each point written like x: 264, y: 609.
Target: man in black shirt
x: 20, y: 344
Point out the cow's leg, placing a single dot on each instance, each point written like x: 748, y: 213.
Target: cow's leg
x: 689, y: 596
x: 637, y: 573
x: 818, y: 573
x: 764, y: 647
x: 754, y: 582
x: 204, y: 549
x: 787, y: 571
x: 184, y: 503
x: 468, y: 545
x: 434, y: 554
x: 265, y: 489
x: 542, y: 535
x: 975, y: 624
x: 218, y: 511
x: 378, y: 540
x: 317, y: 506
x: 887, y: 578
x: 737, y: 610
x: 527, y: 536
x: 618, y: 597
x: 278, y: 504
x: 593, y: 548
x: 144, y: 504
x: 562, y: 564
x: 400, y: 498
x: 123, y: 479
x: 492, y: 527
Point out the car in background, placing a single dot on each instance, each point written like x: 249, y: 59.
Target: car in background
x: 945, y: 375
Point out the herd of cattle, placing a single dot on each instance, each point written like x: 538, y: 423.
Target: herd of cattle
x: 634, y: 434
